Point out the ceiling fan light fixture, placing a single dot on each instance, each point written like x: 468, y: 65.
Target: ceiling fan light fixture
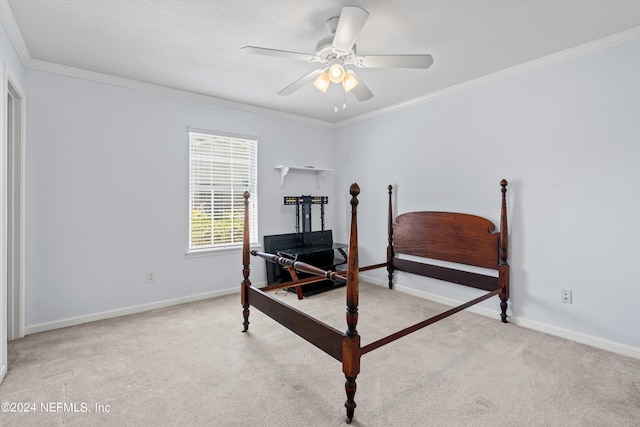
x: 336, y: 72
x: 322, y: 82
x: 349, y: 81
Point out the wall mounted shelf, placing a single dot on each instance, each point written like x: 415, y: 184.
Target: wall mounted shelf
x: 320, y: 172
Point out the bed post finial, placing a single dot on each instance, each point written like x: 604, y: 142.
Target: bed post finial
x: 390, y: 239
x: 246, y: 260
x: 503, y: 264
x: 351, y: 350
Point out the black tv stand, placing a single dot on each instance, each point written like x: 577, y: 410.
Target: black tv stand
x: 312, y: 247
x: 320, y: 252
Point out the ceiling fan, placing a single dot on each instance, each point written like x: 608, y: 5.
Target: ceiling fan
x: 338, y: 51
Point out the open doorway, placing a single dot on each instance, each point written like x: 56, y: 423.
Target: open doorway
x: 13, y: 214
x: 14, y: 211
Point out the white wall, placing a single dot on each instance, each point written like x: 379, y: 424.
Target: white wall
x: 567, y: 138
x: 107, y: 195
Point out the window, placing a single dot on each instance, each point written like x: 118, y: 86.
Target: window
x: 221, y: 169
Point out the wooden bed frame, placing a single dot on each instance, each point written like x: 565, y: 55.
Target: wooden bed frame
x: 453, y: 237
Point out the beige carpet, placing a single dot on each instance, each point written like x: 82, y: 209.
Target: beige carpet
x: 190, y: 365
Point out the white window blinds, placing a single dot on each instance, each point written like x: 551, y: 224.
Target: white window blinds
x: 221, y: 169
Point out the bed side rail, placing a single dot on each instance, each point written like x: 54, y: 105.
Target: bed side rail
x: 390, y: 338
x: 461, y: 277
x: 323, y: 336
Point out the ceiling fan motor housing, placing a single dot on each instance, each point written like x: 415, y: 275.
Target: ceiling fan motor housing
x: 325, y: 51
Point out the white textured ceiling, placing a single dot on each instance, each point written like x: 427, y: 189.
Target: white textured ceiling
x: 194, y: 45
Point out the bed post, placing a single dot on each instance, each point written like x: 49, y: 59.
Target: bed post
x: 351, y: 350
x: 246, y: 260
x: 390, y: 241
x: 503, y: 266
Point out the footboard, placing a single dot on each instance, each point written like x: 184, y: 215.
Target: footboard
x: 343, y: 346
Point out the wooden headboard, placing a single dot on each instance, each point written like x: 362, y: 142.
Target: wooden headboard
x: 454, y: 237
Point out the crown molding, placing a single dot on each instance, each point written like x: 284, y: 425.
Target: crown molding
x: 617, y: 39
x: 93, y: 76
x: 15, y: 35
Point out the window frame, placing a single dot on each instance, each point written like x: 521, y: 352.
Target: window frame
x: 234, y: 187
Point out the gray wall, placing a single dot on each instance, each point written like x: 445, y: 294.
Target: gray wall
x: 107, y: 195
x: 567, y: 138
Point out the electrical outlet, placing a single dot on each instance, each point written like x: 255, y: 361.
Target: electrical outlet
x: 151, y: 276
x: 565, y: 296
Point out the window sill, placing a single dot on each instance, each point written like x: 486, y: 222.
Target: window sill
x: 198, y: 253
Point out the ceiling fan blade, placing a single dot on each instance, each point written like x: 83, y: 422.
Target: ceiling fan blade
x: 279, y: 53
x: 394, y: 61
x: 308, y: 78
x: 361, y: 91
x: 352, y: 19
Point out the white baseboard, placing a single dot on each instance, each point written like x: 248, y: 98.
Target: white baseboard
x: 614, y: 347
x: 592, y: 341
x: 48, y: 326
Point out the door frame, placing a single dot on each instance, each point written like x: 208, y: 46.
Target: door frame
x: 12, y: 181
